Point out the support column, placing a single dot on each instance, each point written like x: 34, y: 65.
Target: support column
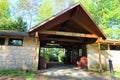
x: 108, y: 46
x: 35, y: 51
x: 100, y: 61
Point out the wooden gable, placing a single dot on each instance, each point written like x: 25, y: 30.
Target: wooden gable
x: 73, y: 25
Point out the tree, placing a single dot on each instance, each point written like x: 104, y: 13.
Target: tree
x: 45, y: 10
x: 104, y: 12
x: 6, y: 21
x: 60, y: 5
x: 28, y: 9
x: 106, y: 15
x: 4, y: 13
x: 52, y: 54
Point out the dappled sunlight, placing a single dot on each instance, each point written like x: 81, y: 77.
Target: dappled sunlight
x: 64, y: 71
x: 72, y: 73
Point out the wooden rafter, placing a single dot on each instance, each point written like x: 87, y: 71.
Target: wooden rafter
x: 49, y: 32
x: 80, y: 21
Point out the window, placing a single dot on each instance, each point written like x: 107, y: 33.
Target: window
x: 15, y: 42
x: 114, y: 47
x: 2, y: 41
x: 103, y: 47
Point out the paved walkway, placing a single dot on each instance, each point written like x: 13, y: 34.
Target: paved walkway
x: 72, y: 73
x: 63, y: 73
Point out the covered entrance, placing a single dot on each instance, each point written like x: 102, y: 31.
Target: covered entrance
x: 64, y: 56
x: 71, y: 29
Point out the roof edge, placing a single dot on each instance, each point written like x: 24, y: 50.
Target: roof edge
x: 52, y: 17
x: 88, y: 14
x: 13, y: 33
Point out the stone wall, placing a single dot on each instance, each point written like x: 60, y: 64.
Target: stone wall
x: 18, y: 57
x: 93, y: 57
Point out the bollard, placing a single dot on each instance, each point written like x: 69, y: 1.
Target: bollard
x: 111, y: 67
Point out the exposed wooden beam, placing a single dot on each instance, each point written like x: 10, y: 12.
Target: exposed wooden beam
x: 82, y: 18
x: 99, y: 39
x: 79, y: 20
x: 49, y: 32
x: 61, y: 40
x: 61, y: 43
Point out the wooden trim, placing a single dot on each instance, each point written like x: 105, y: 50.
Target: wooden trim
x: 99, y: 40
x: 63, y: 40
x: 36, y: 34
x: 100, y: 61
x: 35, y: 51
x: 108, y: 46
x: 62, y: 33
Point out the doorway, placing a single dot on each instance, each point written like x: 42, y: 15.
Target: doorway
x: 54, y: 55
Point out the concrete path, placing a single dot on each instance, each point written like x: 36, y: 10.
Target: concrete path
x: 72, y: 73
x: 63, y: 73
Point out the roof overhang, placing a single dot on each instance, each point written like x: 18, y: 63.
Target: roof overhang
x: 76, y: 14
x: 72, y: 26
x: 13, y: 33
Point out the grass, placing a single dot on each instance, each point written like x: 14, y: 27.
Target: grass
x: 117, y: 74
x: 14, y: 73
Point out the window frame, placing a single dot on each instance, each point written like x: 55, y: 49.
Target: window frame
x: 3, y: 41
x: 105, y: 46
x: 11, y: 39
x: 115, y: 47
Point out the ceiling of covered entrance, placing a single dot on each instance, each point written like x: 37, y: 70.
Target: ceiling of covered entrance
x: 73, y: 26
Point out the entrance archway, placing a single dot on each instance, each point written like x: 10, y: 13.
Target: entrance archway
x: 72, y: 29
x: 73, y: 50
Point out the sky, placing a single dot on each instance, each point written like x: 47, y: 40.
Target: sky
x: 16, y: 11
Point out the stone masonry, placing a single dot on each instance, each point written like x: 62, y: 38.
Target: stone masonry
x: 18, y: 57
x: 93, y: 57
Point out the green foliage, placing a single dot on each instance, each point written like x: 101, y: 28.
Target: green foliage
x: 17, y: 25
x: 117, y: 74
x: 45, y: 10
x: 52, y: 54
x: 106, y: 14
x: 28, y: 9
x: 6, y: 21
x: 60, y: 57
x: 16, y: 73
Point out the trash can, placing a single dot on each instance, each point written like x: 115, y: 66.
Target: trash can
x: 43, y: 64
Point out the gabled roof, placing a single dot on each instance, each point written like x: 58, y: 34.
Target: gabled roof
x: 76, y: 17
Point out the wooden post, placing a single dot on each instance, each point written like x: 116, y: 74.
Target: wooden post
x: 108, y: 46
x: 35, y: 51
x: 100, y: 61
